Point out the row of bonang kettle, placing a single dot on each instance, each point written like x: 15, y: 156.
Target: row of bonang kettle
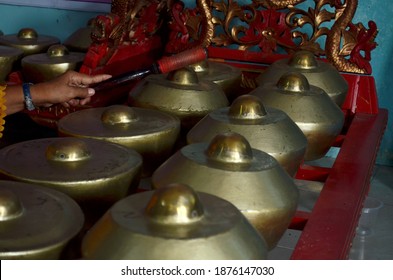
x: 221, y: 174
x: 38, y: 57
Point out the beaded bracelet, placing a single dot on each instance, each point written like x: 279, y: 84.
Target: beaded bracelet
x: 28, y: 100
x: 2, y: 107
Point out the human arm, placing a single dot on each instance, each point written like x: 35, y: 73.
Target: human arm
x: 69, y: 89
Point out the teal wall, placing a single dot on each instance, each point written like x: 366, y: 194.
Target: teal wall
x: 54, y: 22
x: 62, y: 23
x: 382, y: 62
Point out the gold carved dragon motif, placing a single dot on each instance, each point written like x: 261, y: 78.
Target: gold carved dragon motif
x: 281, y: 26
x: 189, y: 27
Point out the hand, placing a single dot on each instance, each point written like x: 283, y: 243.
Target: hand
x: 69, y: 89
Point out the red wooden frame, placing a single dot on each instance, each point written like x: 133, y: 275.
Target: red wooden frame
x: 328, y: 230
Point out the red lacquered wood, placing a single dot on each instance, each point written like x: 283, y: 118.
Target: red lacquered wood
x: 331, y: 226
x: 312, y: 173
x: 361, y: 97
x: 299, y: 220
x: 185, y: 58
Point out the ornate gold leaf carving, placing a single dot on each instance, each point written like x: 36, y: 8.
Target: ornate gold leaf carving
x: 324, y: 27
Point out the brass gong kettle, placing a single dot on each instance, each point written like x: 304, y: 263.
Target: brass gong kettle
x: 93, y: 172
x: 320, y: 119
x: 57, y: 60
x: 318, y: 73
x: 265, y: 128
x: 36, y: 222
x: 229, y: 168
x: 9, y: 56
x: 29, y: 41
x: 173, y: 222
x: 151, y: 133
x: 80, y: 40
x: 180, y: 93
x: 228, y: 77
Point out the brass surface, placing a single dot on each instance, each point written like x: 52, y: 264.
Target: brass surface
x: 174, y: 205
x: 179, y: 93
x: 173, y: 222
x: 67, y: 150
x: 88, y: 170
x: 36, y: 222
x: 317, y: 72
x: 80, y: 40
x: 226, y: 76
x: 29, y: 41
x: 8, y: 58
x: 46, y: 66
x: 250, y: 179
x: 320, y: 119
x: 267, y: 129
x: 149, y: 132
